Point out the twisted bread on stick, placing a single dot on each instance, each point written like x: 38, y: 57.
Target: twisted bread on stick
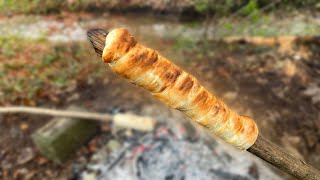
x: 178, y: 89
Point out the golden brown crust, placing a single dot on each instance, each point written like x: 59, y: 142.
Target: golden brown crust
x: 178, y: 89
x: 119, y: 43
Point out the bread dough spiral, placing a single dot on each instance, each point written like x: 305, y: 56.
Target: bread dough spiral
x: 176, y: 88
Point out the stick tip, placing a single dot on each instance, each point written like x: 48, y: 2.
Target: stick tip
x: 97, y: 38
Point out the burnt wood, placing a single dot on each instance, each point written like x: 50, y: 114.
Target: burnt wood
x: 262, y: 148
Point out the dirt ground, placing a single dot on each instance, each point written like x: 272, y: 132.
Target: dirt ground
x: 281, y: 91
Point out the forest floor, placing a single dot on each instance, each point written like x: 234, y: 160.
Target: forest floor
x: 279, y: 89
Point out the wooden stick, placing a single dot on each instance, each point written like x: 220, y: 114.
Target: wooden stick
x: 124, y: 120
x: 59, y: 113
x: 281, y: 159
x: 262, y: 148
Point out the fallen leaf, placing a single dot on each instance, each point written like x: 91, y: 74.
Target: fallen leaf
x: 24, y: 126
x: 5, y: 173
x: 25, y: 156
x: 93, y: 146
x: 105, y: 127
x: 20, y: 173
x: 42, y: 161
x: 6, y: 165
x: 289, y: 68
x: 49, y: 173
x: 313, y: 91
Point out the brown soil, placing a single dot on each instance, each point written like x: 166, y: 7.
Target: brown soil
x: 255, y: 81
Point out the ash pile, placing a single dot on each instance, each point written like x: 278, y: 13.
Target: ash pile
x: 174, y: 152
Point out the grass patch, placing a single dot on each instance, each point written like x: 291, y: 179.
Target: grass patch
x: 220, y: 7
x: 29, y: 6
x: 30, y: 69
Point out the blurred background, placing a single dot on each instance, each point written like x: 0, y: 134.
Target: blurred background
x: 261, y: 57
